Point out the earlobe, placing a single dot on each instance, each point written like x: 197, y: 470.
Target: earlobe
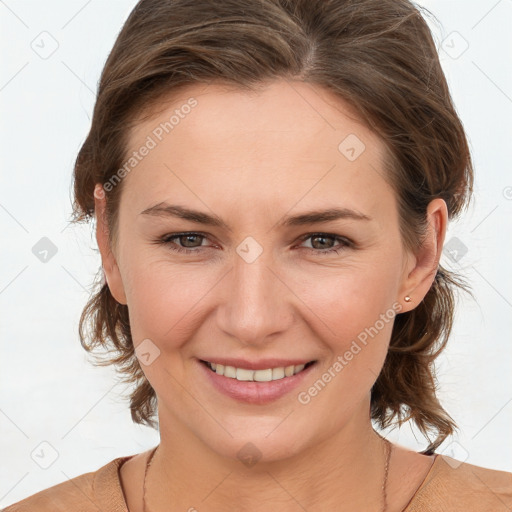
x: 108, y: 260
x: 420, y: 278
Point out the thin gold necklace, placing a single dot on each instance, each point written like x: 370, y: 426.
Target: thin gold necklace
x: 389, y: 447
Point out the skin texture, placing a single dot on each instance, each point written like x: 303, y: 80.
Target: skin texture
x: 252, y: 159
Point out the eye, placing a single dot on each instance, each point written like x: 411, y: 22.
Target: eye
x: 319, y: 240
x: 191, y: 243
x: 188, y: 239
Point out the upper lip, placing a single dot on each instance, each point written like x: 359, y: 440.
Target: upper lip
x: 261, y: 364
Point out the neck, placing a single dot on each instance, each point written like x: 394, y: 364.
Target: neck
x: 343, y: 472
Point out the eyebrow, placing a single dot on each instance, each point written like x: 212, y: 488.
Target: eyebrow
x: 313, y: 217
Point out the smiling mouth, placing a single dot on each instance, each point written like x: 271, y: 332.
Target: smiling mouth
x: 266, y: 375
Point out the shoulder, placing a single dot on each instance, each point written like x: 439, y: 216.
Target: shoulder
x: 454, y: 486
x: 93, y: 491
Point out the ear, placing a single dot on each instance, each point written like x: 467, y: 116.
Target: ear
x: 422, y: 266
x: 108, y: 260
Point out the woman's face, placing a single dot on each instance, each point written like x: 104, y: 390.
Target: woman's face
x: 259, y: 287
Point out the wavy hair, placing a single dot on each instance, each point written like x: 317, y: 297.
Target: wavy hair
x: 379, y: 56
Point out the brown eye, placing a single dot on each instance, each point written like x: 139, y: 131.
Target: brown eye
x: 186, y: 242
x: 190, y: 240
x: 322, y: 243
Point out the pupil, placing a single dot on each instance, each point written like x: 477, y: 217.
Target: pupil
x: 320, y: 238
x: 188, y: 238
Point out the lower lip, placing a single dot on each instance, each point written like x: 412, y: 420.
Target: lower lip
x: 258, y: 393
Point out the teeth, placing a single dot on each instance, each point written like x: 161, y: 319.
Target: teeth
x: 288, y: 371
x: 266, y: 375
x: 298, y: 368
x: 242, y: 374
x: 277, y: 373
x: 263, y: 375
x: 230, y: 371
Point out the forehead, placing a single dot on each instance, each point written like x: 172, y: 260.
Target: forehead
x: 285, y: 143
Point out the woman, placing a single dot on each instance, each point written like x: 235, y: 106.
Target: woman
x: 271, y: 183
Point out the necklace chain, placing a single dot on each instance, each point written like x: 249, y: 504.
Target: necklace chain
x: 389, y: 447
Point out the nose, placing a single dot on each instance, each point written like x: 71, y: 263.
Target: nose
x: 257, y: 303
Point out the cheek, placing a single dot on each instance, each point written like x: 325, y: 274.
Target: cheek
x: 358, y: 334
x: 348, y: 301
x: 163, y: 298
x: 357, y: 340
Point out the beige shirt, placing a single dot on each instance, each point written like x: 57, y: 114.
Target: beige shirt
x: 449, y: 486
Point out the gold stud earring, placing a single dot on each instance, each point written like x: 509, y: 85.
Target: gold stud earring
x: 407, y: 298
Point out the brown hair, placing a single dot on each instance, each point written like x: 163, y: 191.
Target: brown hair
x: 377, y: 55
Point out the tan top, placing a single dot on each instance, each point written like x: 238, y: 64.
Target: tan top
x: 449, y: 486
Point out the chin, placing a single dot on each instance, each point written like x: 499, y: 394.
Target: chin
x: 258, y: 440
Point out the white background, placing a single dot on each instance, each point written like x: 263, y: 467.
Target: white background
x: 50, y: 393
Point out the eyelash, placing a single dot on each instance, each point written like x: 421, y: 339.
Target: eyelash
x: 167, y: 240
